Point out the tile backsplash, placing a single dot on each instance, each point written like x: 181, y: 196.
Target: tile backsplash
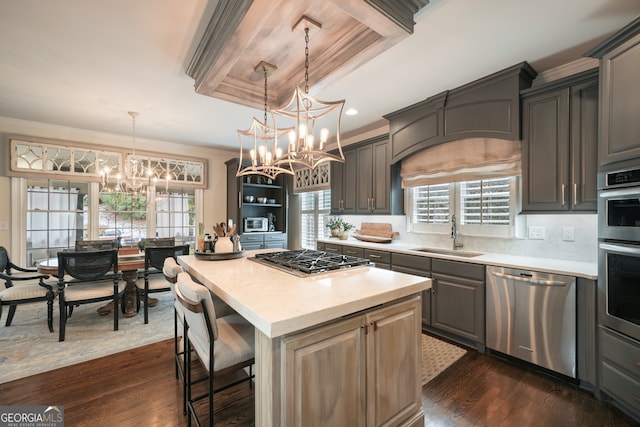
x: 582, y: 248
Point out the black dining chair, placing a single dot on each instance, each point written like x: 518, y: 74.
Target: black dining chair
x: 23, y: 285
x: 97, y: 245
x: 154, y: 280
x: 156, y: 242
x: 87, y: 277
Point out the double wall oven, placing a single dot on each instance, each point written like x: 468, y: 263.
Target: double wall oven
x: 619, y: 251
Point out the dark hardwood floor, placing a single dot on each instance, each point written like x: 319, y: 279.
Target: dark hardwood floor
x: 139, y: 388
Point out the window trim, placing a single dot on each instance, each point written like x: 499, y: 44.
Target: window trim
x: 515, y: 229
x: 19, y: 218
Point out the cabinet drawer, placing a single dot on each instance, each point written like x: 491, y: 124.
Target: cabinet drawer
x: 458, y: 269
x: 278, y: 237
x: 334, y: 249
x: 251, y: 238
x: 414, y: 262
x: 357, y: 252
x: 380, y: 257
x: 620, y: 386
x: 621, y: 351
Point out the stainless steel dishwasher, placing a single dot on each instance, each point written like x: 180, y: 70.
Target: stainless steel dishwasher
x: 532, y: 316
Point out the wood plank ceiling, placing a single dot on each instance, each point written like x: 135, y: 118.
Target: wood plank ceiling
x: 242, y: 33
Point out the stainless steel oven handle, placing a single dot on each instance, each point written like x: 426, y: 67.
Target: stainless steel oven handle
x: 621, y: 248
x: 528, y: 280
x: 633, y: 192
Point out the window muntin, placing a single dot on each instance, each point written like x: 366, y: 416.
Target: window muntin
x: 57, y: 216
x: 175, y: 215
x: 314, y: 208
x: 124, y: 215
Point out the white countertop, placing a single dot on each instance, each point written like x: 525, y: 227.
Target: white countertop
x: 548, y: 265
x: 278, y: 303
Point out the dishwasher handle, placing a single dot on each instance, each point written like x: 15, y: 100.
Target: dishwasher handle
x: 528, y: 280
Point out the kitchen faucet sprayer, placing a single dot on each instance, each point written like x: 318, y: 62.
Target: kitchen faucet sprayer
x: 454, y: 233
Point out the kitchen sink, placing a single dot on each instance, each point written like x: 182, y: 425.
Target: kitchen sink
x: 452, y: 252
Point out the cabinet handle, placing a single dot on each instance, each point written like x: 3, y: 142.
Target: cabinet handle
x: 239, y: 199
x: 373, y: 203
x: 563, y: 199
x: 636, y: 363
x: 575, y: 194
x: 374, y: 256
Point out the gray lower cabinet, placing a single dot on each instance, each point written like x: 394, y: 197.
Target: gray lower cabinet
x: 620, y: 370
x: 382, y: 259
x: 251, y: 241
x: 361, y: 359
x: 351, y: 251
x: 560, y: 145
x: 458, y: 301
x: 418, y: 266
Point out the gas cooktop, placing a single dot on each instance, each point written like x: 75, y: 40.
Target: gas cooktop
x: 304, y: 262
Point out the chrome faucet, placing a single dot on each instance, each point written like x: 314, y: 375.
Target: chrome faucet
x: 454, y: 233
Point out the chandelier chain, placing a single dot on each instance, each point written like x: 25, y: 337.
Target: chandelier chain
x: 306, y: 60
x: 265, y: 95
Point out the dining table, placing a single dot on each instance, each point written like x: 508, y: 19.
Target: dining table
x: 129, y: 263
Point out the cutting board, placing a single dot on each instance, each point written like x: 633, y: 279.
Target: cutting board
x: 377, y: 229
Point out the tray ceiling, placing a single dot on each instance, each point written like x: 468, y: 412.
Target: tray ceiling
x: 241, y: 34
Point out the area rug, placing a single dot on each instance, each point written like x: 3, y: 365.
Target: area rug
x: 437, y: 356
x: 27, y: 347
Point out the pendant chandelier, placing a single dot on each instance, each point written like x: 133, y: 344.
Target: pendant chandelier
x: 266, y: 156
x: 139, y: 179
x: 306, y: 147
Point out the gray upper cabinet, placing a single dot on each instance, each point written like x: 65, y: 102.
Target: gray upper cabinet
x: 366, y: 183
x: 486, y: 108
x: 620, y: 90
x: 560, y: 145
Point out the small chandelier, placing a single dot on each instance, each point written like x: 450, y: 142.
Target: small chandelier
x: 266, y: 157
x: 305, y: 148
x: 138, y: 180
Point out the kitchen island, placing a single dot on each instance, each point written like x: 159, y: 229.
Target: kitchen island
x: 331, y: 348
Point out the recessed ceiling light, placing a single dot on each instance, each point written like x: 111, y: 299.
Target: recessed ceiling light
x: 351, y: 112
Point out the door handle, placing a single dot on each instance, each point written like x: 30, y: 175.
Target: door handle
x: 527, y: 280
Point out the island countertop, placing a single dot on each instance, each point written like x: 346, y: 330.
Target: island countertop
x: 279, y: 303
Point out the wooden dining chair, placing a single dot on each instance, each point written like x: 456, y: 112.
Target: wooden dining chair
x: 223, y: 345
x: 87, y: 277
x: 23, y: 285
x: 154, y: 281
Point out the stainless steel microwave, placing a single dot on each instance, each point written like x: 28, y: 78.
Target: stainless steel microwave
x: 255, y: 224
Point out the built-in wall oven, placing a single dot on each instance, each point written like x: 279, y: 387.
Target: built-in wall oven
x: 619, y: 251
